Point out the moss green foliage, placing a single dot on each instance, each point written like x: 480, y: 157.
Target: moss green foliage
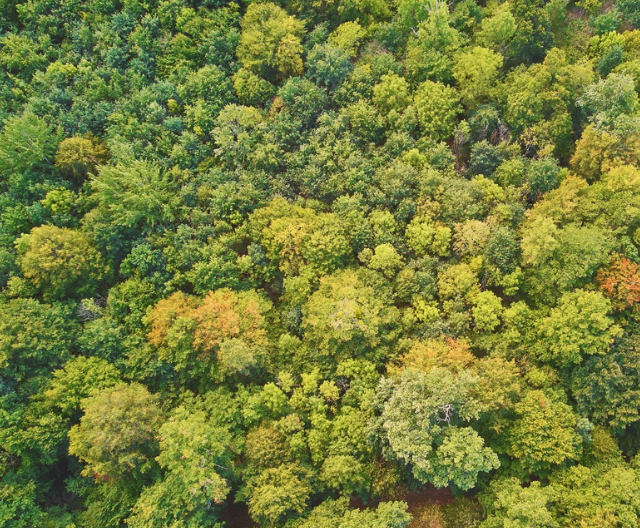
x: 299, y: 259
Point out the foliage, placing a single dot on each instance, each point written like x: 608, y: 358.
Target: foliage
x: 60, y: 262
x: 117, y: 433
x: 286, y: 258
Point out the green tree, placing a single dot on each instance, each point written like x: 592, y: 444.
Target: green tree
x: 346, y: 316
x: 34, y: 338
x: 533, y: 36
x: 498, y: 30
x: 607, y: 99
x: 475, y: 71
x: 19, y: 507
x: 117, y: 435
x: 270, y: 41
x: 605, y: 495
x: 437, y: 107
x: 430, y: 51
x: 27, y: 141
x: 424, y: 421
x: 391, y: 94
x: 80, y: 378
x: 328, y: 65
x: 193, y: 454
x: 604, y: 386
x: 337, y: 514
x: 629, y: 8
x: 250, y: 89
x: 544, y: 433
x: 61, y: 262
x: 19, y: 54
x: 134, y: 195
x: 279, y: 492
x: 579, y: 326
x: 508, y: 504
x: 386, y: 260
x: 487, y: 311
x: 235, y: 133
x: 79, y: 156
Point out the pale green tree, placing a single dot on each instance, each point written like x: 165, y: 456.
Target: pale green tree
x: 424, y: 421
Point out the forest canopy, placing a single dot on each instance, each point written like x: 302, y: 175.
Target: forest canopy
x: 296, y: 261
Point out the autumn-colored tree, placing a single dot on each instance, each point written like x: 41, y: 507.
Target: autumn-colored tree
x: 620, y: 282
x: 443, y: 352
x: 224, y: 327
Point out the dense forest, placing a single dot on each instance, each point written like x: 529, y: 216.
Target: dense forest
x: 284, y: 264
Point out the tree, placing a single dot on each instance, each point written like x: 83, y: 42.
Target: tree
x: 475, y: 71
x: 299, y: 239
x: 386, y: 260
x: 536, y: 102
x: 328, y: 65
x: 343, y: 473
x: 561, y: 258
x: 34, y: 339
x: 620, y: 282
x: 607, y: 99
x: 348, y: 36
x: 487, y: 311
x: 270, y: 41
x: 134, y: 195
x: 251, y: 89
x: 423, y: 420
x: 544, y: 433
x: 337, y: 514
x: 430, y: 50
x: 61, y: 262
x: 117, y: 435
x: 27, y: 141
x: 533, y: 36
x: 391, y: 94
x: 510, y: 505
x: 437, y: 107
x: 80, y: 378
x: 224, y: 327
x: 604, y: 495
x: 425, y: 236
x: 498, y: 29
x: 598, y: 151
x: 279, y: 492
x: 19, y: 54
x: 604, y: 387
x: 629, y: 9
x: 193, y: 454
x: 345, y: 316
x: 235, y: 132
x: 579, y: 326
x: 426, y: 355
x: 19, y: 507
x: 79, y: 156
